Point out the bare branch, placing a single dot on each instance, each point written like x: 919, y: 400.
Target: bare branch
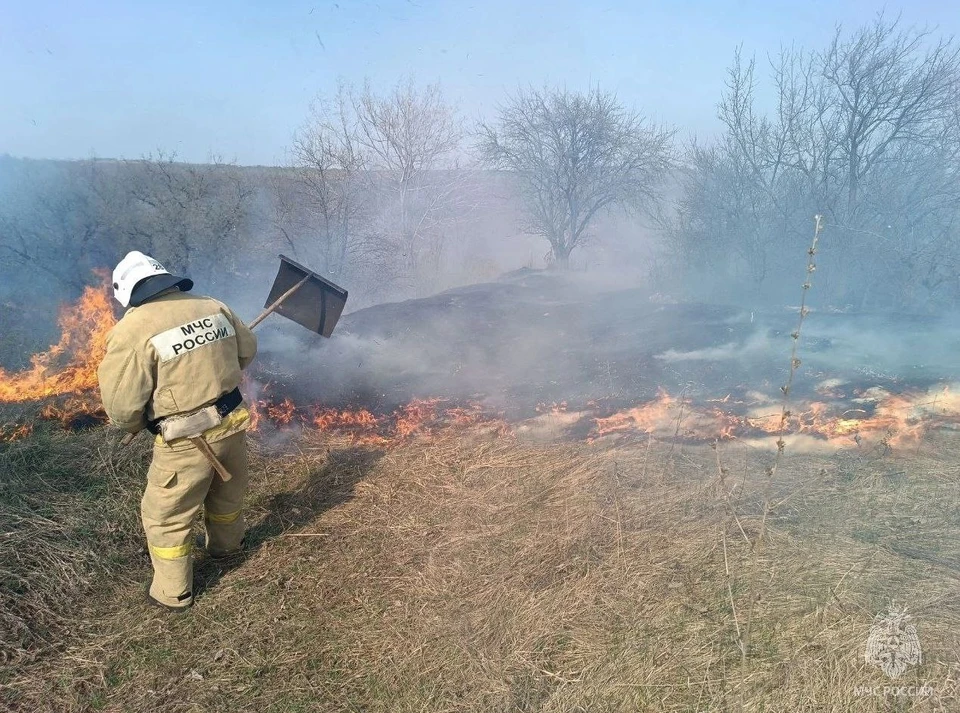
x: 575, y: 155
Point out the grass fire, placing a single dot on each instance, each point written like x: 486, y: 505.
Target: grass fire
x: 60, y: 386
x: 439, y: 367
x: 534, y: 534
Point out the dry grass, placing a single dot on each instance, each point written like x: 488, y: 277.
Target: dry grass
x: 473, y: 572
x: 67, y: 508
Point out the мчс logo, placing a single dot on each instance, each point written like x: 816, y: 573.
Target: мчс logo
x: 199, y: 333
x: 893, y: 644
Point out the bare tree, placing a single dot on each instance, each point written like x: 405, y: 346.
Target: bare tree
x: 190, y: 214
x: 890, y: 91
x: 865, y: 133
x: 378, y: 183
x: 411, y: 141
x: 66, y: 218
x: 51, y: 221
x: 575, y: 155
x: 327, y: 186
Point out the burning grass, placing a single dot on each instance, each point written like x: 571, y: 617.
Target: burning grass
x: 362, y: 426
x: 61, y: 386
x: 70, y: 365
x: 469, y: 571
x: 869, y: 416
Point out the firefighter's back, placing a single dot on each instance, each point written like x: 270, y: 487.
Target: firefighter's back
x: 191, y: 342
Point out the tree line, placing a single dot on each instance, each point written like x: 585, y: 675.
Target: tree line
x: 379, y: 185
x: 865, y: 132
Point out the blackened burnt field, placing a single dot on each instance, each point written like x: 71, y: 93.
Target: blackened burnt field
x: 533, y: 338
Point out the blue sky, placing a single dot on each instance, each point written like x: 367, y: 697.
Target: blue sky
x: 235, y: 79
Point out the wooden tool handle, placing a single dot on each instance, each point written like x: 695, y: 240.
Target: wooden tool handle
x: 279, y: 301
x: 207, y: 451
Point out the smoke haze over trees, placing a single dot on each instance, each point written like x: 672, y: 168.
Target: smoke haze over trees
x: 575, y: 156
x: 375, y: 184
x: 383, y: 191
x: 865, y: 132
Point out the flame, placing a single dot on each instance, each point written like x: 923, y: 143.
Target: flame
x: 70, y: 365
x: 669, y: 416
x: 332, y: 420
x: 64, y: 377
x: 254, y: 407
x: 75, y: 412
x: 283, y: 412
x: 15, y: 431
x: 415, y: 417
x: 893, y: 419
x: 645, y: 419
x: 360, y: 424
x: 421, y: 417
x: 466, y: 416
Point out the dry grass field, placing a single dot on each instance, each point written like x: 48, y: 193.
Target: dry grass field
x: 475, y: 570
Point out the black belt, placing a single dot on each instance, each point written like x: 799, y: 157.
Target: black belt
x: 224, y: 405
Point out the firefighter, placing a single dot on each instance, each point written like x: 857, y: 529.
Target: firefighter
x: 173, y: 364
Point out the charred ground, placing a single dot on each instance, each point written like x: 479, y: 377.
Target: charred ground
x: 534, y: 338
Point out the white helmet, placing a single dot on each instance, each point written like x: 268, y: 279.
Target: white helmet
x: 139, y: 277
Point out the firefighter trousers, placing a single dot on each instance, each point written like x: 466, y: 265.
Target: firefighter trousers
x: 181, y: 480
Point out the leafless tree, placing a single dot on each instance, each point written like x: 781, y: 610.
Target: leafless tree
x: 411, y: 140
x: 51, y: 222
x: 575, y: 155
x: 327, y: 186
x: 378, y: 183
x: 891, y: 91
x: 66, y: 218
x: 863, y: 132
x: 188, y: 215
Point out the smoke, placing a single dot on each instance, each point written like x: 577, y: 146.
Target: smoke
x: 896, y: 351
x: 511, y: 339
x: 528, y: 339
x: 535, y: 338
x: 756, y: 345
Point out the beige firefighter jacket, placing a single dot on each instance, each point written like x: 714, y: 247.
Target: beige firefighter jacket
x: 175, y: 354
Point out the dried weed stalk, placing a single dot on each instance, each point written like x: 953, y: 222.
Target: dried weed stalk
x: 744, y: 633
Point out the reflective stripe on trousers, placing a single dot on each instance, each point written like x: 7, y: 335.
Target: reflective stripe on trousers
x: 171, y: 553
x: 225, y: 519
x: 181, y: 481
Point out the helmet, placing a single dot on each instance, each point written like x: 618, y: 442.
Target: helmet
x: 139, y: 277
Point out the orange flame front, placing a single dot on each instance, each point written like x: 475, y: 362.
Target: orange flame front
x: 65, y: 378
x: 70, y: 365
x: 894, y: 419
